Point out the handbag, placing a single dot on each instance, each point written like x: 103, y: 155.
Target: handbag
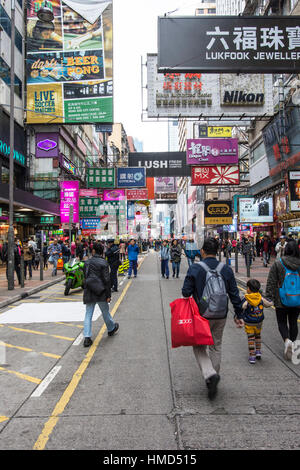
x: 188, y: 328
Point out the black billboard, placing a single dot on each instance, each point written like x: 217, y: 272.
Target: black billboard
x: 161, y: 163
x: 224, y: 44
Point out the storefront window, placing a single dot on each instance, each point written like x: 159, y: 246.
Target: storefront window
x: 257, y: 152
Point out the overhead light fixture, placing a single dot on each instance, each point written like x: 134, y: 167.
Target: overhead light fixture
x: 45, y: 14
x: 25, y: 210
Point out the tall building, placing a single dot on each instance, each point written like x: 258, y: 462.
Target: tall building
x: 230, y: 7
x: 206, y: 8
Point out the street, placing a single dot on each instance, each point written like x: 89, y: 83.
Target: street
x: 133, y: 391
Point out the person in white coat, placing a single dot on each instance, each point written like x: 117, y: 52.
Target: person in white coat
x: 280, y: 247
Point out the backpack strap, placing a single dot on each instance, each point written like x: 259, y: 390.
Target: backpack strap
x: 204, y: 266
x: 220, y: 267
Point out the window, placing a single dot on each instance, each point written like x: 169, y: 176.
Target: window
x: 211, y: 10
x: 5, y: 76
x: 5, y: 22
x: 257, y: 152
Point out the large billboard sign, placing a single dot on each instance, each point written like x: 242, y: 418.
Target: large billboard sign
x: 69, y: 62
x: 294, y: 185
x: 193, y: 94
x: 69, y: 196
x: 253, y: 212
x: 164, y: 164
x: 212, y: 151
x: 240, y: 44
x: 217, y: 212
x: 215, y: 175
x: 131, y: 177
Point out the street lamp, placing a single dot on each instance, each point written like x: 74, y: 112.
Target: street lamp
x: 45, y: 14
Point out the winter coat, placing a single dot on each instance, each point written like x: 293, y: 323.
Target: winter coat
x: 97, y: 269
x: 113, y: 256
x: 28, y: 253
x: 248, y: 249
x: 133, y: 252
x: 276, y: 277
x: 175, y: 254
x: 280, y: 249
x: 164, y: 253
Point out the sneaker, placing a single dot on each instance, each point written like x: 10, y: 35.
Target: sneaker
x: 252, y: 359
x: 212, y: 383
x: 258, y: 355
x: 87, y: 342
x: 111, y: 333
x: 288, y: 350
x: 129, y: 277
x: 173, y: 274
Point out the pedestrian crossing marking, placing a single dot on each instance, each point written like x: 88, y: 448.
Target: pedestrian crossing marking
x: 23, y: 330
x: 68, y: 324
x: 21, y: 376
x: 22, y: 348
x: 3, y: 418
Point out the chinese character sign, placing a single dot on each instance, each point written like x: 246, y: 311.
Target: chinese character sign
x: 131, y: 177
x: 101, y: 177
x: 229, y: 44
x: 212, y: 151
x: 69, y: 195
x: 215, y: 175
x: 253, y: 212
x: 218, y: 213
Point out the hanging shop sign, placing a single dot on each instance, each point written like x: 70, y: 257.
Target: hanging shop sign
x: 69, y: 62
x: 90, y: 224
x: 249, y: 44
x: 131, y: 177
x: 88, y: 206
x: 208, y: 95
x: 160, y: 163
x: 280, y: 203
x: 212, y: 151
x: 113, y: 194
x: 294, y: 185
x: 166, y: 196
x: 19, y: 140
x: 215, y: 175
x: 67, y: 165
x: 137, y: 194
x: 47, y: 145
x: 88, y: 193
x: 165, y: 184
x: 69, y: 195
x: 101, y: 177
x: 218, y: 212
x: 255, y: 212
x: 214, y: 131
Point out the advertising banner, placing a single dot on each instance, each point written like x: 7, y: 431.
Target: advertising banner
x: 212, y: 151
x: 47, y: 145
x: 101, y: 177
x: 88, y: 193
x: 255, y: 212
x: 137, y: 194
x: 131, y: 177
x: 69, y: 195
x: 215, y: 175
x: 207, y: 95
x: 69, y: 62
x: 113, y: 194
x: 88, y: 206
x: 160, y: 163
x: 130, y: 210
x: 241, y: 44
x: 294, y: 185
x: 90, y: 224
x: 165, y: 184
x: 210, y: 131
x: 218, y: 213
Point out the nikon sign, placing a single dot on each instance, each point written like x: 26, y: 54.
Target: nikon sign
x: 216, y: 44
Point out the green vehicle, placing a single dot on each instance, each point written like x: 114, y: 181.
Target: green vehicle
x: 74, y: 275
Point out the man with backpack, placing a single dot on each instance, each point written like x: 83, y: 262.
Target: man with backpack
x: 210, y: 283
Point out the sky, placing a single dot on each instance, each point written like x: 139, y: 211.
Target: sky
x: 135, y: 35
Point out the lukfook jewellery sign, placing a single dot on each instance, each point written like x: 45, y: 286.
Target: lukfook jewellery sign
x: 250, y: 44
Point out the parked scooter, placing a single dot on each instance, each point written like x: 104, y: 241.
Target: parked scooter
x: 74, y: 275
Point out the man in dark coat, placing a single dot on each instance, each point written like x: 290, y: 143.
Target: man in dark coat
x: 97, y: 291
x: 113, y: 257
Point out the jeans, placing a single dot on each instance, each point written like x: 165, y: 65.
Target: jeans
x: 210, y: 363
x: 29, y: 264
x: 176, y: 267
x: 65, y: 260
x: 191, y: 261
x: 54, y: 271
x: 165, y: 267
x: 104, y: 307
x: 132, y: 265
x: 266, y: 258
x: 250, y: 260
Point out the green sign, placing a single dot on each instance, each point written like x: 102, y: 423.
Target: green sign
x: 100, y: 177
x: 89, y: 110
x: 88, y: 206
x: 47, y: 220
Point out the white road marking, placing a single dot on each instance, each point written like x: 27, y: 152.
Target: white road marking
x: 78, y: 340
x: 47, y: 380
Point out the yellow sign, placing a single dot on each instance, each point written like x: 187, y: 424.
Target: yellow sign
x: 218, y: 220
x: 45, y: 103
x: 219, y: 131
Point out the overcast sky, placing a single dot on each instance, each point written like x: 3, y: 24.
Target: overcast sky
x: 135, y: 35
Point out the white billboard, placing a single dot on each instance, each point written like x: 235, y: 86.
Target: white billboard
x: 256, y: 212
x: 207, y: 95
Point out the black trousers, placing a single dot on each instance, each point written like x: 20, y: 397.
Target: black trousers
x: 287, y: 319
x: 114, y: 277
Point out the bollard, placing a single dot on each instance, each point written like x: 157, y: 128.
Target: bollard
x: 41, y: 267
x: 248, y: 264
x: 236, y: 259
x: 227, y: 256
x: 22, y: 271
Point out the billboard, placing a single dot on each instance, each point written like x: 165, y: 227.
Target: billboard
x: 131, y: 177
x: 256, y: 212
x: 215, y: 175
x: 212, y: 151
x: 294, y: 185
x: 165, y: 184
x: 113, y: 194
x: 90, y: 224
x: 69, y: 62
x: 69, y: 195
x: 160, y: 163
x: 47, y: 145
x: 137, y: 194
x: 100, y: 177
x: 241, y: 44
x: 214, y: 131
x: 218, y: 212
x: 208, y: 95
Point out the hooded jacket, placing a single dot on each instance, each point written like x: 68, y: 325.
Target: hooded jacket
x: 96, y: 268
x: 253, y: 307
x: 276, y: 278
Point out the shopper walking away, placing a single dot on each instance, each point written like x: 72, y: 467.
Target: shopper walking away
x: 97, y: 291
x: 266, y: 250
x: 122, y: 250
x: 54, y: 252
x: 164, y: 256
x: 175, y: 255
x: 113, y: 258
x: 79, y: 250
x: 287, y: 317
x: 191, y: 251
x: 253, y: 316
x: 247, y: 251
x: 73, y: 249
x: 133, y: 253
x: 197, y: 281
x: 45, y: 255
x: 28, y: 253
x: 66, y: 253
x: 280, y: 247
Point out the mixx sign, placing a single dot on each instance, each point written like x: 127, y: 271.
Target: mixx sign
x: 232, y: 44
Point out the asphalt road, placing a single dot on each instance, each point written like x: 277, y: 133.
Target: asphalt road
x: 133, y: 391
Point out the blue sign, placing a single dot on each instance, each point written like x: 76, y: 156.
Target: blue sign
x: 90, y: 223
x: 104, y: 128
x: 131, y: 177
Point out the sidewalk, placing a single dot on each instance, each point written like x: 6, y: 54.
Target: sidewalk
x: 30, y: 286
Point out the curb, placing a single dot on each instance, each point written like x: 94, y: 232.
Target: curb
x: 30, y: 292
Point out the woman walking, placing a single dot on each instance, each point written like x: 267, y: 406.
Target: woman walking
x: 175, y: 253
x: 287, y: 317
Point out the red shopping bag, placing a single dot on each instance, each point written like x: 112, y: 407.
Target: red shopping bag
x: 188, y: 328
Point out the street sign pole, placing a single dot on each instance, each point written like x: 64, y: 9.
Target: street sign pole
x: 70, y: 223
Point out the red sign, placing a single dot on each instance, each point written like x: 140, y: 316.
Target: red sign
x: 137, y: 194
x: 215, y: 175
